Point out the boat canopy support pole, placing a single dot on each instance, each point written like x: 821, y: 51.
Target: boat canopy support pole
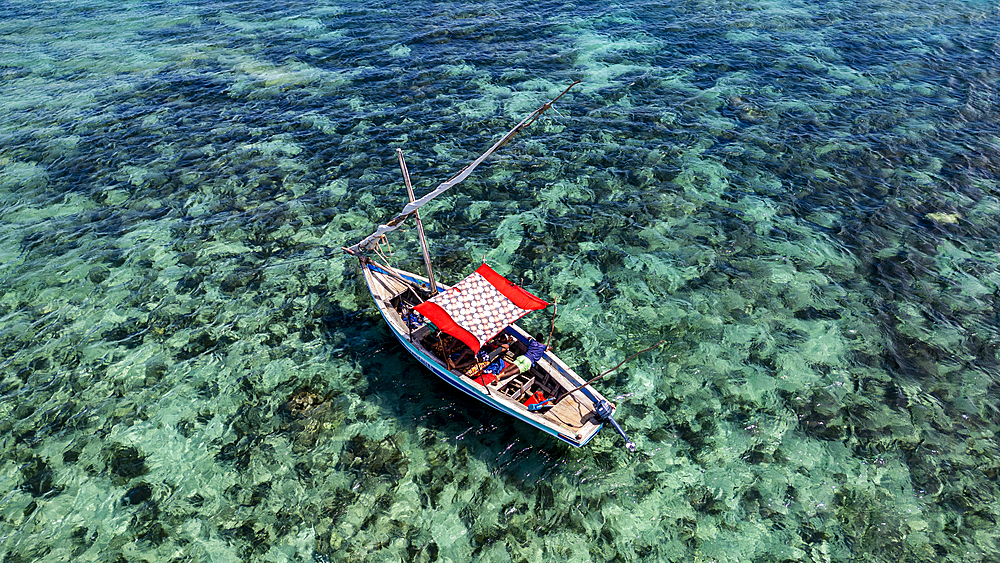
x: 420, y: 224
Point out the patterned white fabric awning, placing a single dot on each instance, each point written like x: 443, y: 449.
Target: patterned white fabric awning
x: 479, y: 307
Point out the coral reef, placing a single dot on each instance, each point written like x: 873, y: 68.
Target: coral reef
x: 801, y: 198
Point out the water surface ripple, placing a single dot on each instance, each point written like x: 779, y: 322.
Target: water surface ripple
x: 800, y: 197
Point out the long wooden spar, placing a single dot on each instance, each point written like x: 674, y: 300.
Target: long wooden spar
x: 371, y: 240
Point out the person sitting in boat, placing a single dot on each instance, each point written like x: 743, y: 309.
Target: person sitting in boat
x: 441, y: 344
x: 524, y: 362
x: 455, y: 355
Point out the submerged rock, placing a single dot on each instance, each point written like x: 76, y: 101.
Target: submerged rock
x: 305, y: 402
x: 944, y: 218
x: 124, y: 463
x: 138, y: 494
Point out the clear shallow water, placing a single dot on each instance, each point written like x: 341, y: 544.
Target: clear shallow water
x: 801, y: 197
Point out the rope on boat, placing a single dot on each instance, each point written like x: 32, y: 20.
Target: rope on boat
x: 620, y: 364
x: 602, y: 408
x: 378, y: 249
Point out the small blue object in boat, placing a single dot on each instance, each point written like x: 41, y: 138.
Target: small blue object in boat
x: 539, y: 406
x: 413, y: 320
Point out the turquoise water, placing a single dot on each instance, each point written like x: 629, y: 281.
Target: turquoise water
x: 800, y: 197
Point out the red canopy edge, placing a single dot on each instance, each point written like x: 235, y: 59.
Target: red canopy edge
x: 510, y: 290
x: 441, y: 319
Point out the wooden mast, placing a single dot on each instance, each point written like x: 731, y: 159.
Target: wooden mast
x: 420, y: 224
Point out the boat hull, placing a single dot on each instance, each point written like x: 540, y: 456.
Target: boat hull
x: 375, y: 278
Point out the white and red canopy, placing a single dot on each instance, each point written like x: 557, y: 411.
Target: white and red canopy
x: 477, y: 308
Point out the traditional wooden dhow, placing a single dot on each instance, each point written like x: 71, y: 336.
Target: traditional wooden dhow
x: 466, y: 333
